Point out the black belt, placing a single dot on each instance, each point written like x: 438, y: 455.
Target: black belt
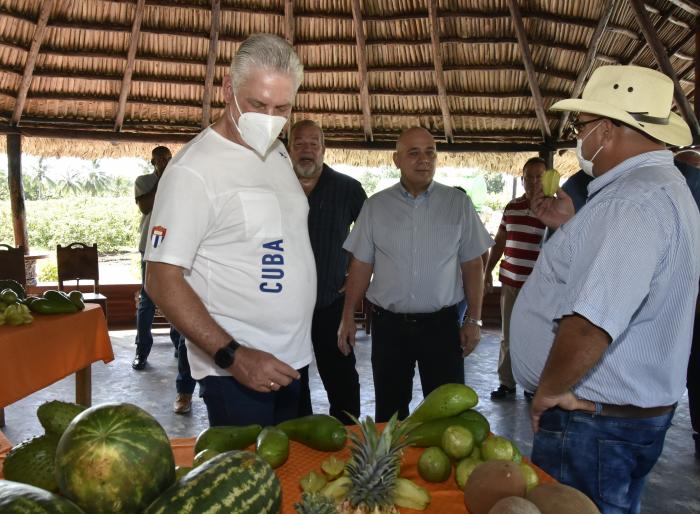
x: 632, y: 411
x: 414, y: 317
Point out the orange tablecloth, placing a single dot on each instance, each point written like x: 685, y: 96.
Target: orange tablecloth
x: 51, y: 348
x: 446, y: 497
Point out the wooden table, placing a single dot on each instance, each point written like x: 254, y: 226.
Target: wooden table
x: 35, y: 356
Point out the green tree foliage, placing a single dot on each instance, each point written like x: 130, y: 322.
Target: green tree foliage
x: 112, y: 223
x: 4, y: 186
x: 494, y: 183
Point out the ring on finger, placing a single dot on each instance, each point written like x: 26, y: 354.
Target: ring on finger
x: 272, y: 384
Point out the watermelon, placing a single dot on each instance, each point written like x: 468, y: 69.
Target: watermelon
x: 32, y: 462
x: 16, y: 498
x: 114, y: 458
x: 236, y: 481
x: 55, y: 416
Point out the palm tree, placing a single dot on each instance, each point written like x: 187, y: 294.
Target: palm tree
x: 97, y: 181
x: 69, y: 183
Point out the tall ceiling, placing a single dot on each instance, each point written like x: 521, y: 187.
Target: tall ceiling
x: 479, y: 74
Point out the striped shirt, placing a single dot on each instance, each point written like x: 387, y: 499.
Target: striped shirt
x: 627, y: 262
x: 416, y: 246
x: 334, y: 205
x: 523, y: 238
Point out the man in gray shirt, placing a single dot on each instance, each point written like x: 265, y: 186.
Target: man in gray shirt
x: 423, y: 242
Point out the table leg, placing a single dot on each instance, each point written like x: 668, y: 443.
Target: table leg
x: 83, y: 386
x: 2, y: 418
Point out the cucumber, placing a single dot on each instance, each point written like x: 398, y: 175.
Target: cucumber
x: 318, y: 431
x: 273, y: 446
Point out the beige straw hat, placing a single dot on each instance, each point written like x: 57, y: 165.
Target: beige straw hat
x: 638, y: 97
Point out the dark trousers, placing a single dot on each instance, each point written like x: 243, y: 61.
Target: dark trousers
x: 693, y: 380
x: 231, y: 403
x: 184, y: 383
x: 337, y: 371
x: 145, y: 313
x: 398, y: 342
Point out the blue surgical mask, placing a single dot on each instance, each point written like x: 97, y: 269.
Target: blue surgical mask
x: 585, y: 164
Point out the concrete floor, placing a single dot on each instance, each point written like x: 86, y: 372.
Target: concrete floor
x: 673, y: 486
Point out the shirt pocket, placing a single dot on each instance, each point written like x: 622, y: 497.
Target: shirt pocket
x: 261, y: 213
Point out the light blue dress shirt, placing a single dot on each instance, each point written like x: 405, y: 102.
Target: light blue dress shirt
x: 629, y: 262
x: 416, y: 246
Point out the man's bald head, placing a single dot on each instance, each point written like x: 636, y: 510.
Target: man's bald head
x: 411, y: 134
x: 691, y: 157
x: 416, y: 157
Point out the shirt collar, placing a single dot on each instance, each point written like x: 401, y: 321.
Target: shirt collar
x: 424, y: 194
x: 657, y: 157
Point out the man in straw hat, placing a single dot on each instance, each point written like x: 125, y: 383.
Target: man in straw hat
x: 602, y: 328
x: 230, y: 262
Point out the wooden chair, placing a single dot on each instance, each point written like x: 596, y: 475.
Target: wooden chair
x: 12, y: 264
x: 77, y: 262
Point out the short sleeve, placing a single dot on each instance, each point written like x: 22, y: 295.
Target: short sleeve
x: 475, y: 239
x: 143, y: 184
x: 181, y: 217
x: 617, y: 254
x: 360, y: 242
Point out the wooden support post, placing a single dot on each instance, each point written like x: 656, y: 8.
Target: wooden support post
x: 519, y: 27
x: 361, y: 56
x: 211, y: 62
x: 29, y: 64
x: 660, y: 54
x: 439, y: 75
x: 130, y: 62
x: 289, y: 35
x: 588, y: 62
x: 548, y: 156
x: 14, y: 166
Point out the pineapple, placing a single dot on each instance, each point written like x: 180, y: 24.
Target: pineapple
x: 374, y: 467
x: 315, y: 504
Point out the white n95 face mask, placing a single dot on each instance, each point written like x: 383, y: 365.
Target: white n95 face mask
x: 586, y: 164
x: 258, y: 130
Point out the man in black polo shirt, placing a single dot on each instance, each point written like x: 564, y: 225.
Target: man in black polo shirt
x: 335, y: 201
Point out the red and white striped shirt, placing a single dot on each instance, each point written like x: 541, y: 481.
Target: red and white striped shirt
x: 523, y: 237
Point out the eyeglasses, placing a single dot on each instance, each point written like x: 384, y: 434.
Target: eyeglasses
x: 577, y: 125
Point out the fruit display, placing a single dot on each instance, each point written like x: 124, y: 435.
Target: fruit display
x: 13, y: 311
x: 550, y: 182
x: 114, y: 458
x: 235, y: 481
x: 561, y: 499
x: 56, y: 302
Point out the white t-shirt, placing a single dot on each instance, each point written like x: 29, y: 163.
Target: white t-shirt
x: 238, y: 226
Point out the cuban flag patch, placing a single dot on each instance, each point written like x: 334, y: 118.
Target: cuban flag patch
x: 157, y: 235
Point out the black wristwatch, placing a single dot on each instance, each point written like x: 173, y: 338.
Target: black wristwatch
x: 225, y: 356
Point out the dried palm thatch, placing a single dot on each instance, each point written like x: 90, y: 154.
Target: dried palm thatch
x: 479, y: 74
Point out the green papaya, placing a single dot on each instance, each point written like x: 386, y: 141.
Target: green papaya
x: 224, y: 439
x: 45, y: 306
x: 76, y: 297
x: 273, y: 446
x: 318, y: 431
x: 444, y: 401
x: 430, y: 433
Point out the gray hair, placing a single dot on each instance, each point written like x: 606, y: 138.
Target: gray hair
x: 268, y: 52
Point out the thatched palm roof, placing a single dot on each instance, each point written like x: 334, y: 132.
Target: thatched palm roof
x: 480, y: 74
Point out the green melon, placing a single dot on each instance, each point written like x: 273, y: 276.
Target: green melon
x: 32, y: 462
x: 16, y: 498
x: 235, y: 481
x: 114, y: 458
x: 55, y: 416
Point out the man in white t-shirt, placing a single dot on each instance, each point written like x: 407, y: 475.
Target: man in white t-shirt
x: 229, y: 260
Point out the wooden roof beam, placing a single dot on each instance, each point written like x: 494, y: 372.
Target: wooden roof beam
x: 211, y: 62
x: 641, y: 46
x: 361, y: 55
x: 130, y: 61
x: 689, y: 6
x: 662, y: 59
x: 597, y: 36
x: 529, y: 68
x: 439, y: 75
x: 29, y: 64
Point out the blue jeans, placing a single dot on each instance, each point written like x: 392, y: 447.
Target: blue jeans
x: 607, y: 458
x: 144, y: 321
x: 184, y: 383
x: 231, y: 403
